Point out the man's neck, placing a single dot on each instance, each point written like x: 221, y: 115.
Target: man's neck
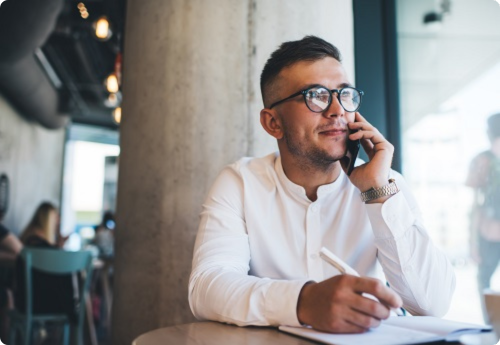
x: 309, y: 176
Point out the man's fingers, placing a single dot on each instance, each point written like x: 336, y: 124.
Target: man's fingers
x: 362, y: 320
x: 372, y: 135
x: 377, y: 289
x: 348, y: 324
x: 372, y: 141
x: 371, y: 308
x: 367, y: 146
x: 359, y: 118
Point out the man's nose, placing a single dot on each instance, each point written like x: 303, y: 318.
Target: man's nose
x: 335, y: 108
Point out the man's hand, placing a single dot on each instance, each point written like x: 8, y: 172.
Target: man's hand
x: 375, y: 173
x: 337, y: 306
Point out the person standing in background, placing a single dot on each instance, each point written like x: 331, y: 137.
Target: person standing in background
x: 484, y: 178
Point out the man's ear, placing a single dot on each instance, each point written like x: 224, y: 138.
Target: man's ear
x: 271, y: 122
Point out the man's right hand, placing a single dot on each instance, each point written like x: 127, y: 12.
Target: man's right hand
x: 336, y: 305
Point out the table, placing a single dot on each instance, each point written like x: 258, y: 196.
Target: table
x: 215, y: 333
x: 208, y: 333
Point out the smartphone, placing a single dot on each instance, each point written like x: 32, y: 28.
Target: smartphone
x: 352, y: 153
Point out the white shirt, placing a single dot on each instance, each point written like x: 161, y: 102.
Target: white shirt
x: 259, y: 239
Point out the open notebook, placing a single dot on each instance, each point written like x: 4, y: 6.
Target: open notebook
x: 396, y: 330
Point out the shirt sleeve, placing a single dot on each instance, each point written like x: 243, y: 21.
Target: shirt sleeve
x: 220, y: 287
x: 418, y: 271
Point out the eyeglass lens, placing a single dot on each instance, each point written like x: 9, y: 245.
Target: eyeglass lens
x: 319, y: 98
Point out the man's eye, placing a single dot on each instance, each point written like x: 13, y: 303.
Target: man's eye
x: 312, y: 94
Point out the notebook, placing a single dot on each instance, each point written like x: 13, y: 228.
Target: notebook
x: 396, y: 330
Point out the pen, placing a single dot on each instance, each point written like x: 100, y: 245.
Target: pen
x: 344, y: 268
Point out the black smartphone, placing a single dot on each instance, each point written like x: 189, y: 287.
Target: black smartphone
x: 352, y: 153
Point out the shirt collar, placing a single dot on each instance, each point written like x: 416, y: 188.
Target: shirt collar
x: 299, y: 191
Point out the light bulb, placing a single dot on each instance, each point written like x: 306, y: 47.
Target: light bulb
x: 102, y: 29
x: 117, y: 115
x: 112, y: 83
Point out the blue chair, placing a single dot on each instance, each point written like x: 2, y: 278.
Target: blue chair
x: 56, y: 262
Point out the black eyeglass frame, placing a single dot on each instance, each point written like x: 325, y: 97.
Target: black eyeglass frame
x: 338, y: 91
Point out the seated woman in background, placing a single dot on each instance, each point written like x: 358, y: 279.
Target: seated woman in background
x: 42, y: 230
x: 52, y: 293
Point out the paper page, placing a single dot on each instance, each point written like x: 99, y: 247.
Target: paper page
x: 434, y: 325
x: 383, y: 335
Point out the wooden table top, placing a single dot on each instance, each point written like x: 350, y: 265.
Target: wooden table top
x: 215, y: 333
x: 208, y: 333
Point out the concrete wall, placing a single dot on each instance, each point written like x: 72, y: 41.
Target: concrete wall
x: 274, y: 22
x: 191, y: 106
x: 32, y: 157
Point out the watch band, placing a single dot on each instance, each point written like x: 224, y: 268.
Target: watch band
x: 375, y: 193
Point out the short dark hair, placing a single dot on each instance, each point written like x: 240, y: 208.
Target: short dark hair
x: 494, y: 126
x: 310, y: 48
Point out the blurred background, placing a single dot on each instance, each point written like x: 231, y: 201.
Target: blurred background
x: 186, y: 75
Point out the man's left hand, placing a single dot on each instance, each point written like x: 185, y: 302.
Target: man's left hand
x: 374, y: 173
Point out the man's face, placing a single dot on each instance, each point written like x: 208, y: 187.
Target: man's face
x: 318, y: 138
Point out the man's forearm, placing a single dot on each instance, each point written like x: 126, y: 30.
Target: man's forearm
x: 420, y: 273
x: 221, y: 294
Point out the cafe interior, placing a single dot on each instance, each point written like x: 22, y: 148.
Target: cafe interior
x: 116, y: 116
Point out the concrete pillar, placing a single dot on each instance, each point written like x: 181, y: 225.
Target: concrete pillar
x: 191, y: 106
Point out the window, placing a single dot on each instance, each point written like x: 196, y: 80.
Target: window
x: 449, y: 82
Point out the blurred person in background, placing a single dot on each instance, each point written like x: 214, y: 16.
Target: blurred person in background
x: 43, y: 229
x: 484, y: 178
x: 104, y: 236
x: 10, y: 247
x: 52, y: 293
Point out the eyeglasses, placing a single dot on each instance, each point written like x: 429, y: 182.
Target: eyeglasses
x: 318, y: 98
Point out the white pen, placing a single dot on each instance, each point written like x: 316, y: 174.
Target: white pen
x: 344, y: 268
x: 333, y: 260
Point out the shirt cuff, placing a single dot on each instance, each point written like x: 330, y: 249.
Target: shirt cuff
x: 392, y: 218
x: 281, y: 302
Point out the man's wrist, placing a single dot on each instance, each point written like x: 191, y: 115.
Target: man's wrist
x: 380, y: 194
x: 303, y: 295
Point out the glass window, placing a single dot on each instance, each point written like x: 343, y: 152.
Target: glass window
x: 449, y: 70
x: 90, y: 181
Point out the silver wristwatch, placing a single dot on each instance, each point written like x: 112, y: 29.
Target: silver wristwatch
x: 375, y: 193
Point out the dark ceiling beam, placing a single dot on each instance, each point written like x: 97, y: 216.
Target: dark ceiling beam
x: 25, y: 25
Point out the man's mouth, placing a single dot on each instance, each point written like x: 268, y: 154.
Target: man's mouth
x: 332, y: 132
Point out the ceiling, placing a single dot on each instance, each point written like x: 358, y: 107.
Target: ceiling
x: 74, y: 62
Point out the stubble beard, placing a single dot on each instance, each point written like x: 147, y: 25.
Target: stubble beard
x: 310, y: 157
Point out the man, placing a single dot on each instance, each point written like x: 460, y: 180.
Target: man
x: 484, y: 178
x: 265, y: 219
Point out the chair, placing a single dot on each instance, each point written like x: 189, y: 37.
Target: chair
x: 56, y: 262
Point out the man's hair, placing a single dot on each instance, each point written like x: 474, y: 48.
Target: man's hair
x: 310, y: 48
x: 494, y: 126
